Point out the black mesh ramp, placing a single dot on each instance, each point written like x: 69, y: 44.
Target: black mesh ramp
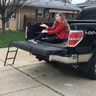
x: 39, y: 49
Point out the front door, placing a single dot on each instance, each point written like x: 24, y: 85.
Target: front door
x: 7, y: 23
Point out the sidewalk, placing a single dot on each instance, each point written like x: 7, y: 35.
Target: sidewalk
x: 30, y: 77
x: 15, y: 82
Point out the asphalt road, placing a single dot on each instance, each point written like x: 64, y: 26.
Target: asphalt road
x: 30, y: 77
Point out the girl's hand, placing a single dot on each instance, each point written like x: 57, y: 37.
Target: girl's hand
x: 44, y: 25
x: 44, y: 31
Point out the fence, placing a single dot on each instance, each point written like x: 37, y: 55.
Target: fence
x: 32, y: 19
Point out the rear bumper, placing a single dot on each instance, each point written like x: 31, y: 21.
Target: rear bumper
x: 73, y: 59
x: 51, y: 53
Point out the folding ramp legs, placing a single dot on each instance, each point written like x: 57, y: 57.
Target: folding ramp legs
x: 11, y: 55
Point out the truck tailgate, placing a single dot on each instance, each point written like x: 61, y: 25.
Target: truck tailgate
x: 41, y: 49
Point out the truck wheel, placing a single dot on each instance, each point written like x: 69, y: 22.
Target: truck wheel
x: 92, y: 69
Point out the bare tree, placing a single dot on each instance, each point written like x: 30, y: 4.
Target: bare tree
x: 65, y: 1
x: 11, y: 6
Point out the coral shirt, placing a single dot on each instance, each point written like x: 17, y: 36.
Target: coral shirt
x: 58, y: 30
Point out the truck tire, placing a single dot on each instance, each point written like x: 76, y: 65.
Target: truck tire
x: 92, y: 68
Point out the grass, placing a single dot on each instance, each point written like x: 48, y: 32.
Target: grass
x: 10, y: 36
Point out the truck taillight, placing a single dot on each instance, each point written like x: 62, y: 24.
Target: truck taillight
x: 75, y: 38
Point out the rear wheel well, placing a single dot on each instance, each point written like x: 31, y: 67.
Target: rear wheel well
x: 92, y: 67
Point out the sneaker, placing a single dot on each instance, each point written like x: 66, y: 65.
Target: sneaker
x: 33, y: 41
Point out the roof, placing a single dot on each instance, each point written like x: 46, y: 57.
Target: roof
x: 88, y: 3
x: 54, y: 4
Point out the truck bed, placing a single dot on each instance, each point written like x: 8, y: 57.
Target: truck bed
x: 41, y: 48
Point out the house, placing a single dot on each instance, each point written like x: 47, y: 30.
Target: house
x: 40, y: 11
x: 87, y: 3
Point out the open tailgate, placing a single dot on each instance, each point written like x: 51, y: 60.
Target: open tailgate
x: 40, y: 49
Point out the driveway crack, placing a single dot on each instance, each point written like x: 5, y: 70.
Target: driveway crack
x: 38, y: 81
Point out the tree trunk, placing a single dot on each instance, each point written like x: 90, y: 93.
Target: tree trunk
x: 3, y: 28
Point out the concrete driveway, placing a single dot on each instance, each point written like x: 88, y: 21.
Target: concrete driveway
x: 30, y: 77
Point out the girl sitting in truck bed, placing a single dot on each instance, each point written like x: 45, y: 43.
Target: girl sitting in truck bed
x: 58, y: 33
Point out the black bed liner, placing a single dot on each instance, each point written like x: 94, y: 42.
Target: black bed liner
x: 41, y: 49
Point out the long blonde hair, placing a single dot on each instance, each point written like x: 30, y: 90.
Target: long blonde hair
x: 66, y: 25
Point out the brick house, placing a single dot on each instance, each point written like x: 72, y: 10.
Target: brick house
x: 40, y: 11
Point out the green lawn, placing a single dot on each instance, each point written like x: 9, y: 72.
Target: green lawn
x: 10, y: 36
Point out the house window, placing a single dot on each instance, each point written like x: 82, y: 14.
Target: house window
x: 53, y: 15
x: 68, y: 15
x: 40, y: 12
x: 13, y: 16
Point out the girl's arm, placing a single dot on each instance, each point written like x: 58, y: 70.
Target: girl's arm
x: 51, y: 28
x: 47, y: 27
x: 44, y: 25
x: 56, y: 30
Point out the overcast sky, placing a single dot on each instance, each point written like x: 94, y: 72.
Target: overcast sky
x: 77, y: 1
